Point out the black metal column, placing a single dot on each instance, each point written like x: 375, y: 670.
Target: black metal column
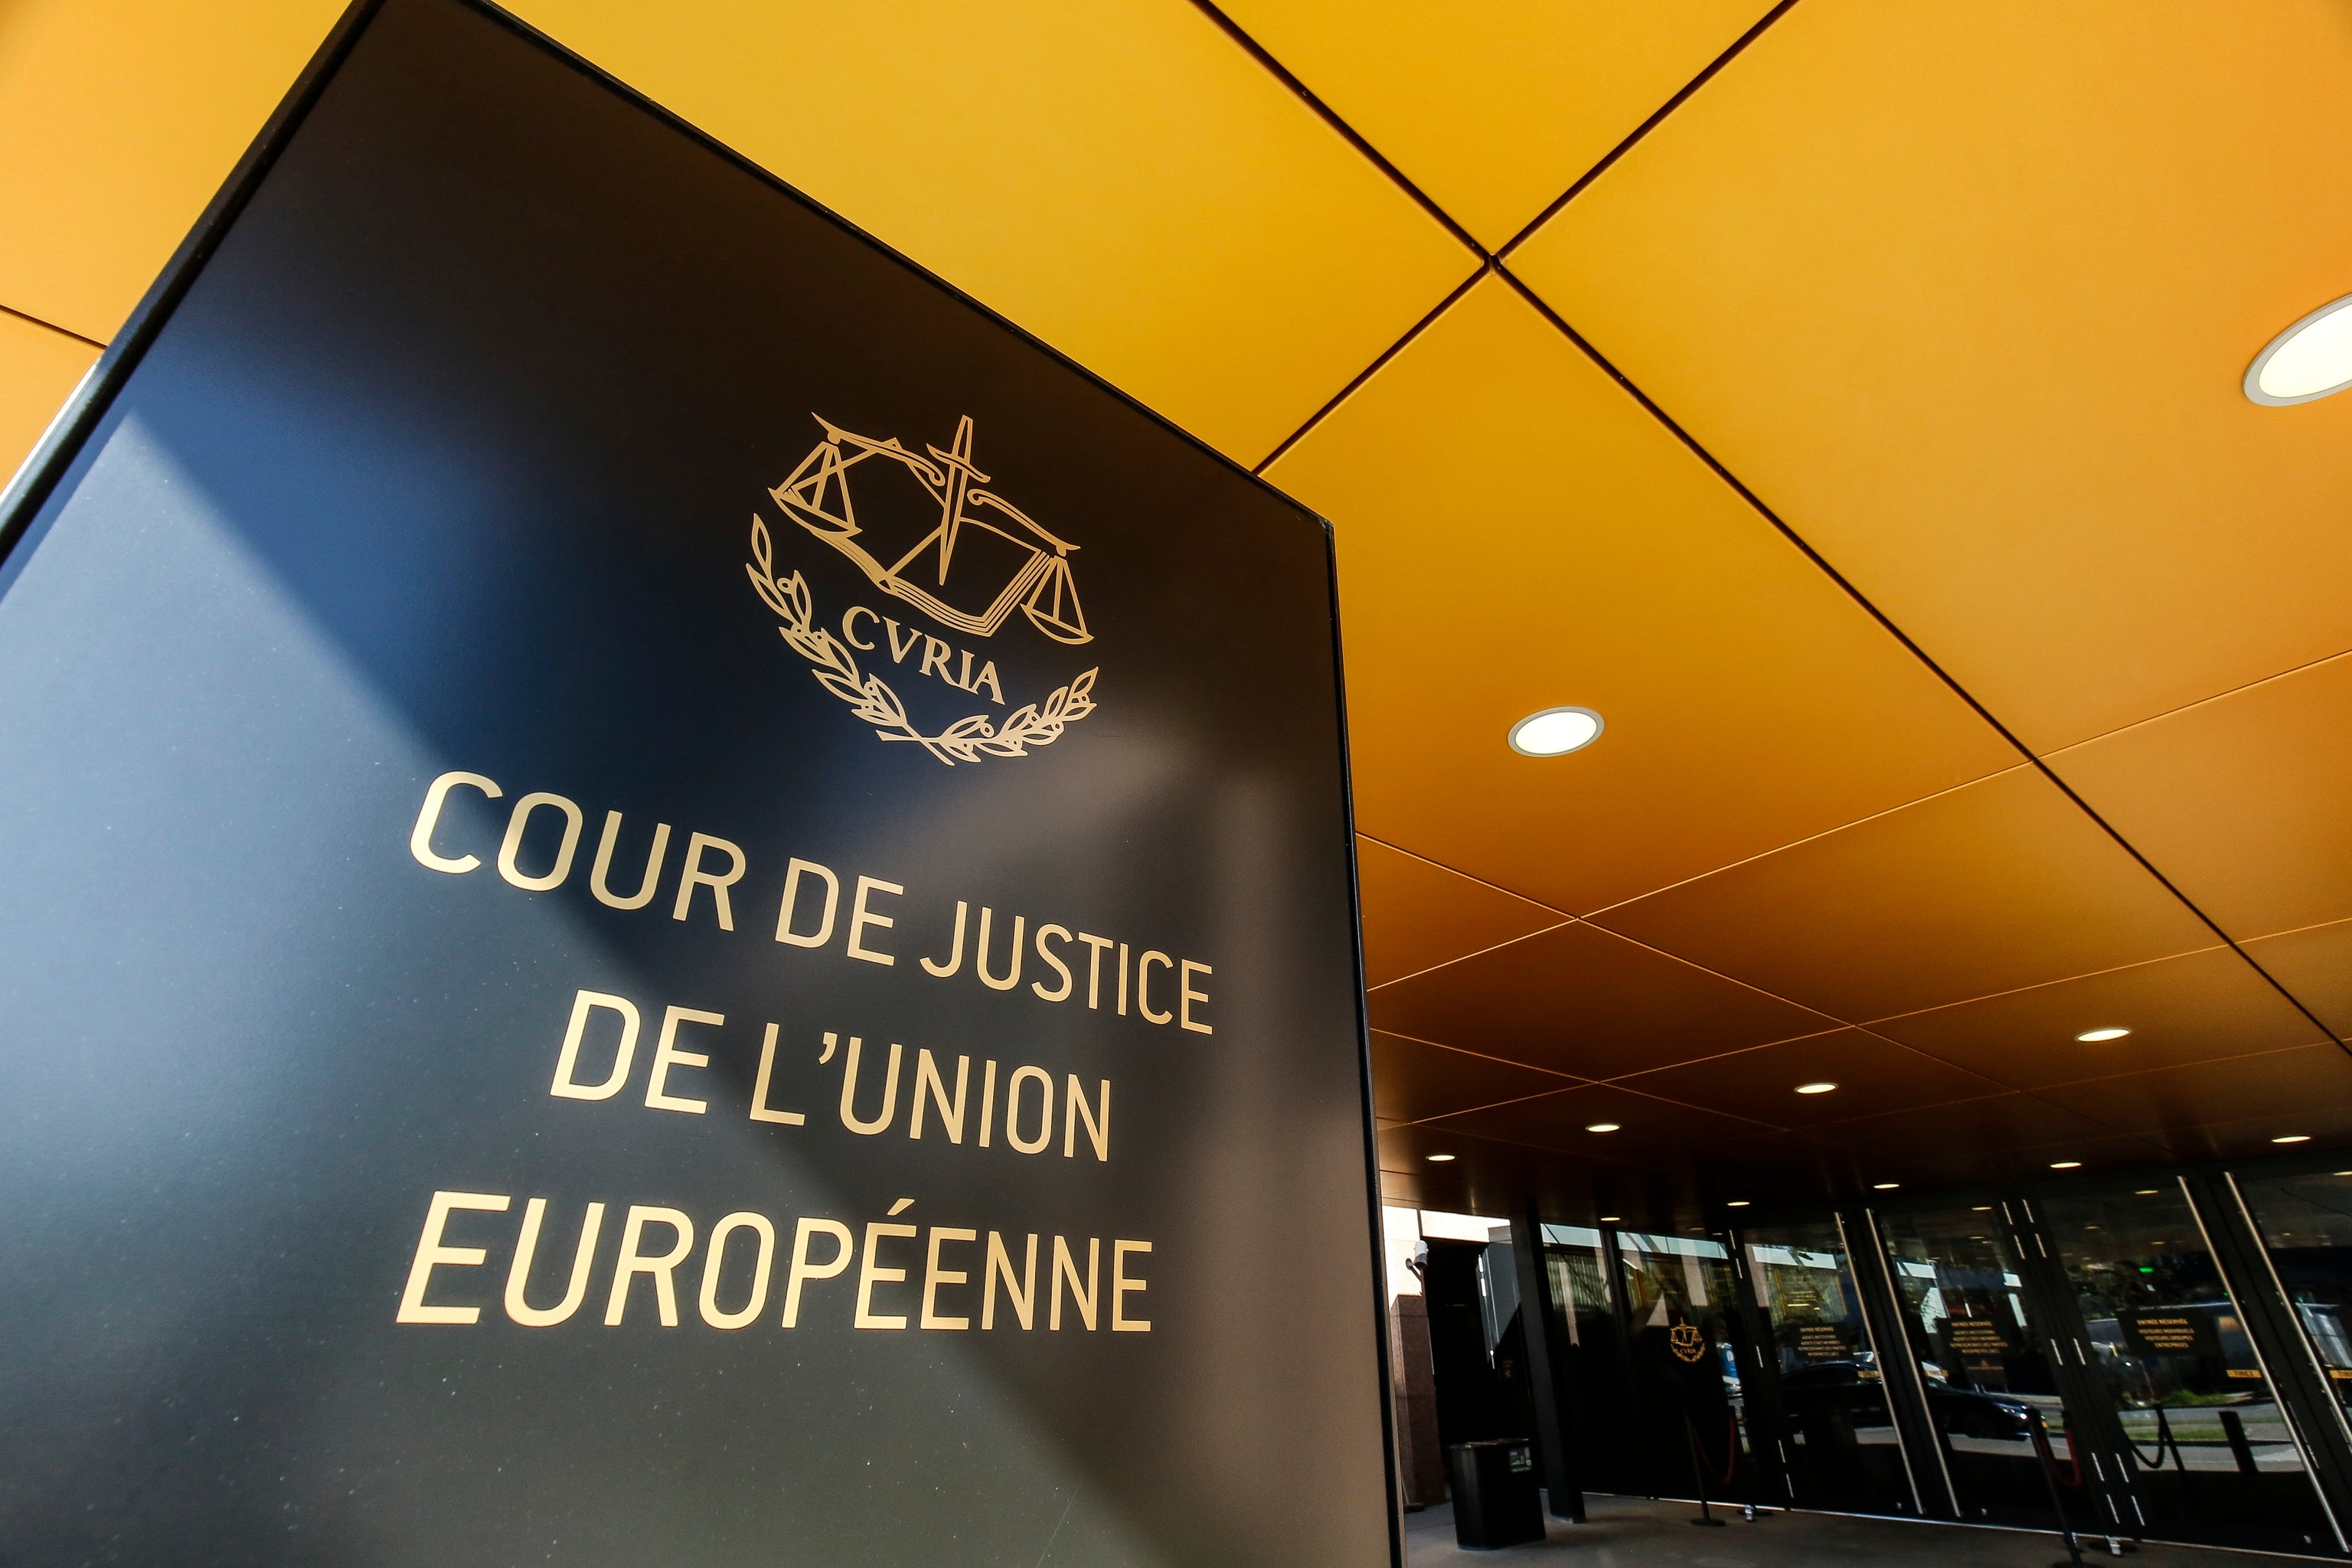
x: 1539, y: 1322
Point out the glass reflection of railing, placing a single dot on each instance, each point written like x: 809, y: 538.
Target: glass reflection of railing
x: 2208, y: 1435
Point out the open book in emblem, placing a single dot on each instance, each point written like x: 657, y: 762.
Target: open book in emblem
x: 924, y: 530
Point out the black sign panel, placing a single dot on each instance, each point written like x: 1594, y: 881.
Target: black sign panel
x: 669, y: 898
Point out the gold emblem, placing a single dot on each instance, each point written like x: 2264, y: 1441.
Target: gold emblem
x: 1688, y: 1344
x: 934, y: 538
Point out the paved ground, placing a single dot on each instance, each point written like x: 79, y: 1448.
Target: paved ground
x: 1633, y: 1532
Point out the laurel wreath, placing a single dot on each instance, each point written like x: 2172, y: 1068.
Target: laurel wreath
x: 968, y: 739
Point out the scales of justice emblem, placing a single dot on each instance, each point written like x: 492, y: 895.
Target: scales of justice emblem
x: 932, y: 537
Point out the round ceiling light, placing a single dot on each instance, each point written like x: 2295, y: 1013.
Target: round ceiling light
x: 1600, y: 1127
x: 1815, y: 1087
x: 2093, y: 1037
x: 2292, y: 1138
x: 1883, y: 1187
x: 2309, y: 360
x: 1555, y: 732
x: 1439, y: 1158
x: 2065, y: 1165
x: 1736, y: 1203
x: 1613, y: 1219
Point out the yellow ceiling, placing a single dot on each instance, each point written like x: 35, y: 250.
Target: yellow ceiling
x: 120, y: 119
x: 1906, y: 461
x: 1119, y: 179
x: 1495, y: 109
x: 1965, y: 292
x: 1516, y: 532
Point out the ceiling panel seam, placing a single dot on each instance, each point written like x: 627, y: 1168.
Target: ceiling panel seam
x: 2305, y: 667
x: 1595, y: 915
x: 1356, y: 138
x: 1465, y: 876
x: 1373, y: 369
x: 1623, y: 1078
x: 1662, y: 953
x: 2036, y: 1094
x: 1346, y: 132
x: 1572, y: 1079
x: 1870, y: 1024
x: 1480, y: 952
x: 52, y: 326
x: 1940, y: 673
x: 1619, y: 150
x: 2182, y: 1067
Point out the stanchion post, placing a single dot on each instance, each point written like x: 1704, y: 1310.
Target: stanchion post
x: 2049, y: 1465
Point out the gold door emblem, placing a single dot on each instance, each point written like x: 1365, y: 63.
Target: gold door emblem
x: 959, y: 553
x: 1688, y: 1342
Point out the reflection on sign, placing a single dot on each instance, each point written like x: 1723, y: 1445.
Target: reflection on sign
x: 1975, y: 1336
x: 1819, y: 1341
x: 2171, y: 1331
x: 2171, y: 1335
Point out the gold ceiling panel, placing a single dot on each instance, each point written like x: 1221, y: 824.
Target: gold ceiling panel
x: 1872, y: 1075
x: 2328, y: 1126
x: 1493, y: 110
x: 1947, y: 1161
x: 2280, y: 1089
x: 1418, y: 914
x: 2003, y: 1122
x: 2002, y: 884
x: 2195, y: 1007
x: 2316, y: 964
x: 2244, y: 802
x: 119, y: 119
x: 1646, y: 1131
x: 1580, y: 1001
x: 1966, y: 293
x: 39, y: 369
x: 1413, y: 1080
x: 1515, y: 533
x: 1118, y: 176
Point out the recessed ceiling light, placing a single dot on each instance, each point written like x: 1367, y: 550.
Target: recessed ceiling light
x: 1981, y: 1208
x: 1439, y: 1158
x: 1736, y: 1203
x: 1613, y: 1219
x: 2309, y: 360
x: 2065, y: 1165
x: 1883, y: 1187
x: 2092, y: 1037
x: 2146, y: 1192
x: 1600, y: 1127
x: 1555, y: 732
x: 1815, y: 1087
x: 2292, y: 1138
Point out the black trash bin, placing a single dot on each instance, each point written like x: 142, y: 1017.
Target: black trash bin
x: 1495, y: 1500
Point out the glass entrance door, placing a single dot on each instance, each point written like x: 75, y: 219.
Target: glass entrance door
x: 1825, y: 1409
x: 2305, y: 1223
x: 1680, y: 1338
x: 1972, y: 1337
x: 1594, y: 1375
x: 2214, y: 1455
